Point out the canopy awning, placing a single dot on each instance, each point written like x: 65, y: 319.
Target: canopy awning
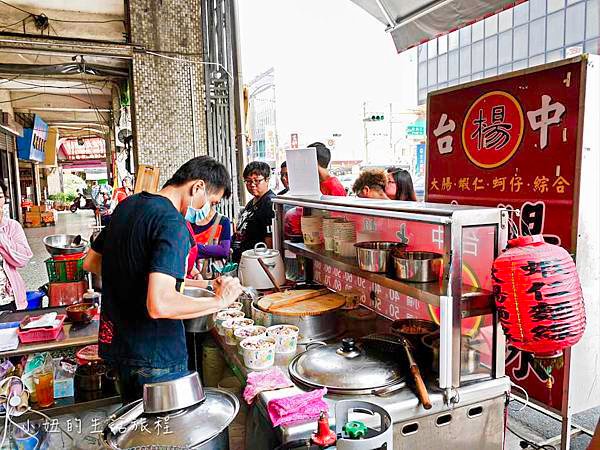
x: 88, y: 148
x: 412, y: 22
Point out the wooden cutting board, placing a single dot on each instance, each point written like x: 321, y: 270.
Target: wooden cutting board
x: 308, y: 306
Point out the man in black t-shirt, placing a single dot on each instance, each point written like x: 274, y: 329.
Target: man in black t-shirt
x: 142, y: 257
x: 256, y: 220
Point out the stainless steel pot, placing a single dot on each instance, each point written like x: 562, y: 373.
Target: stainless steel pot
x: 252, y: 274
x: 419, y: 267
x: 374, y: 256
x: 200, y: 324
x: 346, y: 369
x: 62, y: 244
x: 312, y: 328
x: 201, y: 425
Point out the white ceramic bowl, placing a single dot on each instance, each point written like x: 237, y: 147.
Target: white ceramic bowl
x: 258, y: 352
x: 230, y: 325
x: 224, y: 315
x: 286, y: 337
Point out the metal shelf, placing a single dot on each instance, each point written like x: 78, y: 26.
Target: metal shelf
x: 474, y: 301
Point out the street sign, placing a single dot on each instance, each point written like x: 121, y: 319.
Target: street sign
x: 420, y: 160
x: 415, y: 130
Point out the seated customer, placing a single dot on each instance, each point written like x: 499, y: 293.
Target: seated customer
x: 256, y: 220
x: 371, y: 183
x: 329, y: 184
x: 399, y: 185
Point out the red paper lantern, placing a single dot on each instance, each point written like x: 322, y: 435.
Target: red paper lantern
x: 538, y: 297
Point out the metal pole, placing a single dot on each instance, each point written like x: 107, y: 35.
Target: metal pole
x: 392, y: 149
x: 193, y: 106
x: 240, y: 137
x: 366, y: 135
x: 565, y: 442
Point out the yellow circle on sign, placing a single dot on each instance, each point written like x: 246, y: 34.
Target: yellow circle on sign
x: 515, y: 146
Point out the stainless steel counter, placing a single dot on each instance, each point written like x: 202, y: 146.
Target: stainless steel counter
x: 403, y: 406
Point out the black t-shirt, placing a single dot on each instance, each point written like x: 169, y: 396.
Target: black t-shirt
x: 255, y: 224
x: 146, y: 234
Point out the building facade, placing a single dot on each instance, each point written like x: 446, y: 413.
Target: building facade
x: 262, y: 118
x: 532, y: 33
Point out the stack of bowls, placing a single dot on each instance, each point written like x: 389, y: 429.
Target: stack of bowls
x: 312, y: 230
x: 344, y: 239
x: 329, y: 224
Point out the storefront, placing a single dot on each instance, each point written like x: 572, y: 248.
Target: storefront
x: 8, y: 171
x: 31, y: 153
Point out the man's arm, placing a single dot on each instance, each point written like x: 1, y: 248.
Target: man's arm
x: 93, y: 262
x: 164, y: 302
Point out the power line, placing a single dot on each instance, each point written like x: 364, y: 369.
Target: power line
x: 24, y: 19
x: 17, y: 8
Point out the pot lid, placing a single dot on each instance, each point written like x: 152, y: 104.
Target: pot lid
x: 183, y: 429
x: 260, y: 250
x: 344, y: 368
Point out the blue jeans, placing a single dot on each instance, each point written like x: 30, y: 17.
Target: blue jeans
x: 132, y: 379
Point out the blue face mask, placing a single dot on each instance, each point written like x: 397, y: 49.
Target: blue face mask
x: 194, y: 215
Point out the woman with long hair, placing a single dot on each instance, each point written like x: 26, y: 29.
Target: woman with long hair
x: 399, y: 185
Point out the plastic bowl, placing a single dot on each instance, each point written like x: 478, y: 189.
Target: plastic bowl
x: 258, y: 352
x: 286, y: 337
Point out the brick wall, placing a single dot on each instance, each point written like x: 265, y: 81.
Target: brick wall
x: 168, y: 96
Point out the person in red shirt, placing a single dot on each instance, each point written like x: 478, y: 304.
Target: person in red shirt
x: 329, y: 184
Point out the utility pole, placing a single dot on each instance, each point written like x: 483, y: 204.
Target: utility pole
x: 366, y: 135
x: 391, y: 140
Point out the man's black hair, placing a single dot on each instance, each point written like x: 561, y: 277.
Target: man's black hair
x: 205, y: 168
x: 323, y: 154
x: 284, y: 164
x: 257, y: 168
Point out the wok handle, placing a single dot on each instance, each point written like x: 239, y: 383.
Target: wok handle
x: 382, y: 392
x: 269, y: 274
x: 420, y: 387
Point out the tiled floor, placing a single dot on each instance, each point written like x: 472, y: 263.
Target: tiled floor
x: 80, y: 222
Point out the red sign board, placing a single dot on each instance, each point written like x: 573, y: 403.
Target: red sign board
x: 511, y: 141
x: 514, y: 141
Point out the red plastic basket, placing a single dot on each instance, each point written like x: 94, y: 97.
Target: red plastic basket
x: 42, y: 334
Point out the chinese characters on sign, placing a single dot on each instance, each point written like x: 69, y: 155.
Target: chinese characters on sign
x: 512, y: 142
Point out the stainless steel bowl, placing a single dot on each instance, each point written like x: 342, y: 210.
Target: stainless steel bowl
x: 61, y: 244
x: 374, y: 256
x: 200, y: 324
x: 419, y: 267
x: 173, y: 395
